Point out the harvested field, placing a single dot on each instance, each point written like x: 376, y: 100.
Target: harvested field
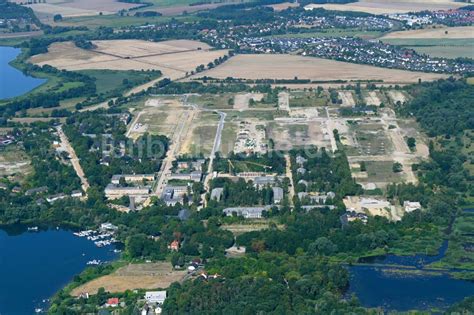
x: 385, y: 7
x: 134, y: 276
x: 283, y: 6
x: 347, y: 98
x: 275, y: 66
x: 173, y: 58
x: 435, y: 33
x: 73, y: 8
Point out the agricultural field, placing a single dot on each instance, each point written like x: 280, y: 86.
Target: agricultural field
x: 446, y: 42
x: 434, y: 33
x: 73, y: 8
x: 134, y: 276
x: 268, y: 66
x: 173, y: 58
x: 386, y: 7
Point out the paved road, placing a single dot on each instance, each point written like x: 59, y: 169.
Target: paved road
x: 74, y: 159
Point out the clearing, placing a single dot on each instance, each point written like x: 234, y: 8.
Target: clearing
x: 276, y: 66
x: 174, y: 58
x: 134, y: 276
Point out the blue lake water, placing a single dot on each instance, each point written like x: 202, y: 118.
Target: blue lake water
x: 382, y: 286
x: 35, y: 265
x: 12, y: 81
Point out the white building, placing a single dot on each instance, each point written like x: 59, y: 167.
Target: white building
x: 157, y: 297
x: 411, y: 206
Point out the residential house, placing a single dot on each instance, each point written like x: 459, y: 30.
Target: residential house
x: 277, y: 195
x: 216, y: 194
x: 411, y: 206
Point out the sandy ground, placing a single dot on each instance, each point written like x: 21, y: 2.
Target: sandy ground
x: 347, y: 98
x: 268, y: 66
x: 388, y: 6
x: 173, y: 58
x: 397, y: 96
x: 136, y: 276
x: 435, y: 33
x: 284, y: 101
x: 372, y: 99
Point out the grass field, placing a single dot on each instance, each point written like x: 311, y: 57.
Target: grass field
x: 437, y: 46
x: 307, y: 99
x: 213, y: 101
x: 267, y: 66
x: 109, y: 80
x: 133, y: 276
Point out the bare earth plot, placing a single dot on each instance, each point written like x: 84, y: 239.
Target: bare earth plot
x: 372, y: 98
x: 298, y: 134
x: 198, y: 136
x: 347, y: 98
x: 388, y: 6
x: 133, y: 276
x: 241, y: 101
x: 397, y: 96
x: 275, y: 66
x: 173, y: 58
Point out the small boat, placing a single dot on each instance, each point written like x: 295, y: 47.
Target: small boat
x: 33, y: 228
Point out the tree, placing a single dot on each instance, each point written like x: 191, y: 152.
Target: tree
x: 411, y: 142
x: 57, y: 17
x: 397, y: 167
x: 322, y: 246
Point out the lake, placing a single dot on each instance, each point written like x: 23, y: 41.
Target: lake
x: 35, y: 265
x: 383, y: 285
x: 12, y: 81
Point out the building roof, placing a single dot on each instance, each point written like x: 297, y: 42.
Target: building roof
x: 155, y: 296
x: 277, y: 193
x: 216, y: 193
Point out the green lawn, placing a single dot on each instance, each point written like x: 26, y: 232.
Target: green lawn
x: 109, y: 80
x: 445, y: 48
